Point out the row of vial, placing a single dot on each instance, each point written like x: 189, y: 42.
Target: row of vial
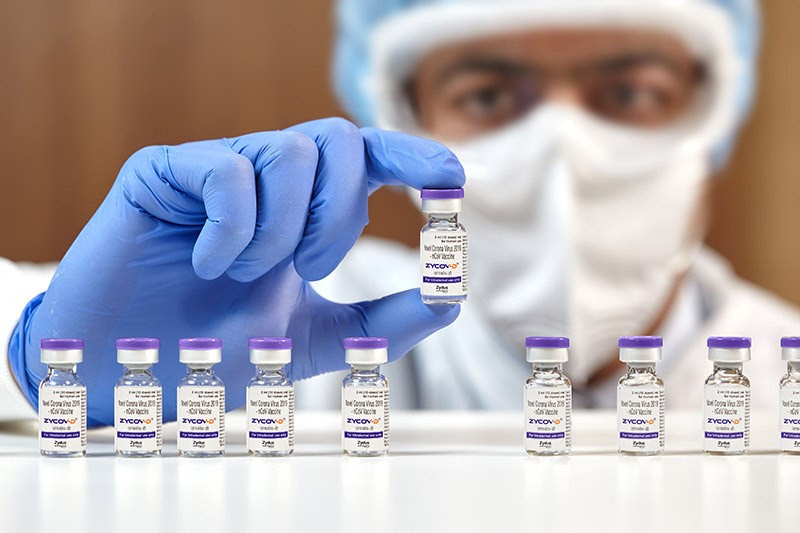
x: 640, y: 397
x: 201, y: 399
x: 365, y: 398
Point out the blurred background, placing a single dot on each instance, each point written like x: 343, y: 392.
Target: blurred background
x: 84, y: 84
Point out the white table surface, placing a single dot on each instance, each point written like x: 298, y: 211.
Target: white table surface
x: 447, y: 471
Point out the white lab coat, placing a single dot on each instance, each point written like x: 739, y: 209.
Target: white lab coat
x: 467, y: 366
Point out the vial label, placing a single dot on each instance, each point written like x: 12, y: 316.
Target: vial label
x: 727, y: 418
x: 137, y: 419
x: 201, y: 419
x: 790, y: 419
x: 640, y: 419
x: 548, y: 419
x: 365, y: 419
x: 270, y: 419
x: 62, y: 419
x: 443, y: 258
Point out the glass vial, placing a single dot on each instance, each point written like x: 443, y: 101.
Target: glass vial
x: 443, y: 248
x: 548, y: 398
x: 137, y: 399
x: 201, y: 399
x: 270, y: 398
x: 640, y: 397
x: 790, y: 396
x: 726, y: 413
x: 62, y: 400
x: 365, y: 398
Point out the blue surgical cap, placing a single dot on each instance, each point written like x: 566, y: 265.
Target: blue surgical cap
x: 357, y: 18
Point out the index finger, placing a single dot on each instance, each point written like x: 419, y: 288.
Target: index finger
x: 395, y: 158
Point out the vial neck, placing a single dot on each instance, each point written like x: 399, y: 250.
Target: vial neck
x: 270, y: 370
x: 195, y: 369
x: 443, y: 217
x: 365, y: 370
x: 641, y: 368
x: 728, y: 368
x: 61, y: 370
x: 793, y: 367
x: 547, y: 367
x: 136, y: 369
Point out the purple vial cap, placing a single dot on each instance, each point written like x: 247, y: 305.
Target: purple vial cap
x: 790, y: 342
x: 641, y: 342
x: 61, y: 344
x: 269, y: 343
x: 729, y: 342
x: 365, y: 343
x: 441, y: 194
x: 546, y: 342
x: 199, y: 343
x: 138, y: 343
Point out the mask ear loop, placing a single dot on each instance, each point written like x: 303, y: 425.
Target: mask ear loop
x: 692, y: 244
x: 687, y: 256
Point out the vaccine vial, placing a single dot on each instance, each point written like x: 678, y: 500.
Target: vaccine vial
x: 201, y: 399
x: 548, y: 398
x: 270, y: 398
x: 790, y: 396
x: 443, y: 248
x: 137, y: 399
x: 640, y: 397
x: 62, y: 400
x: 726, y: 413
x: 365, y: 397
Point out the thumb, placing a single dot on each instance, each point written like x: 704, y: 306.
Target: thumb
x: 403, y: 319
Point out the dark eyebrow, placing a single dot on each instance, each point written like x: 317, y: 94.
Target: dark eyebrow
x: 634, y: 59
x: 483, y: 64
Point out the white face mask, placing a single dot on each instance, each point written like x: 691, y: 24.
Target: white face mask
x: 578, y: 228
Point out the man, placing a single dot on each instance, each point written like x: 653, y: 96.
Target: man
x: 587, y: 131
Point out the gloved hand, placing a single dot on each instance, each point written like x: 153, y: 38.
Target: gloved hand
x: 220, y: 239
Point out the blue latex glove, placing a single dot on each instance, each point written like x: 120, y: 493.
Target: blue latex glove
x: 220, y: 239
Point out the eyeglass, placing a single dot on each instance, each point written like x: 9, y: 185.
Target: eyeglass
x: 641, y: 88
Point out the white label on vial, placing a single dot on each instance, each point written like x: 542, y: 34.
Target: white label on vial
x: 137, y: 419
x: 270, y: 419
x: 790, y: 419
x: 443, y: 261
x: 640, y: 418
x: 726, y: 418
x: 201, y: 419
x: 548, y: 419
x: 365, y: 419
x: 62, y: 419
